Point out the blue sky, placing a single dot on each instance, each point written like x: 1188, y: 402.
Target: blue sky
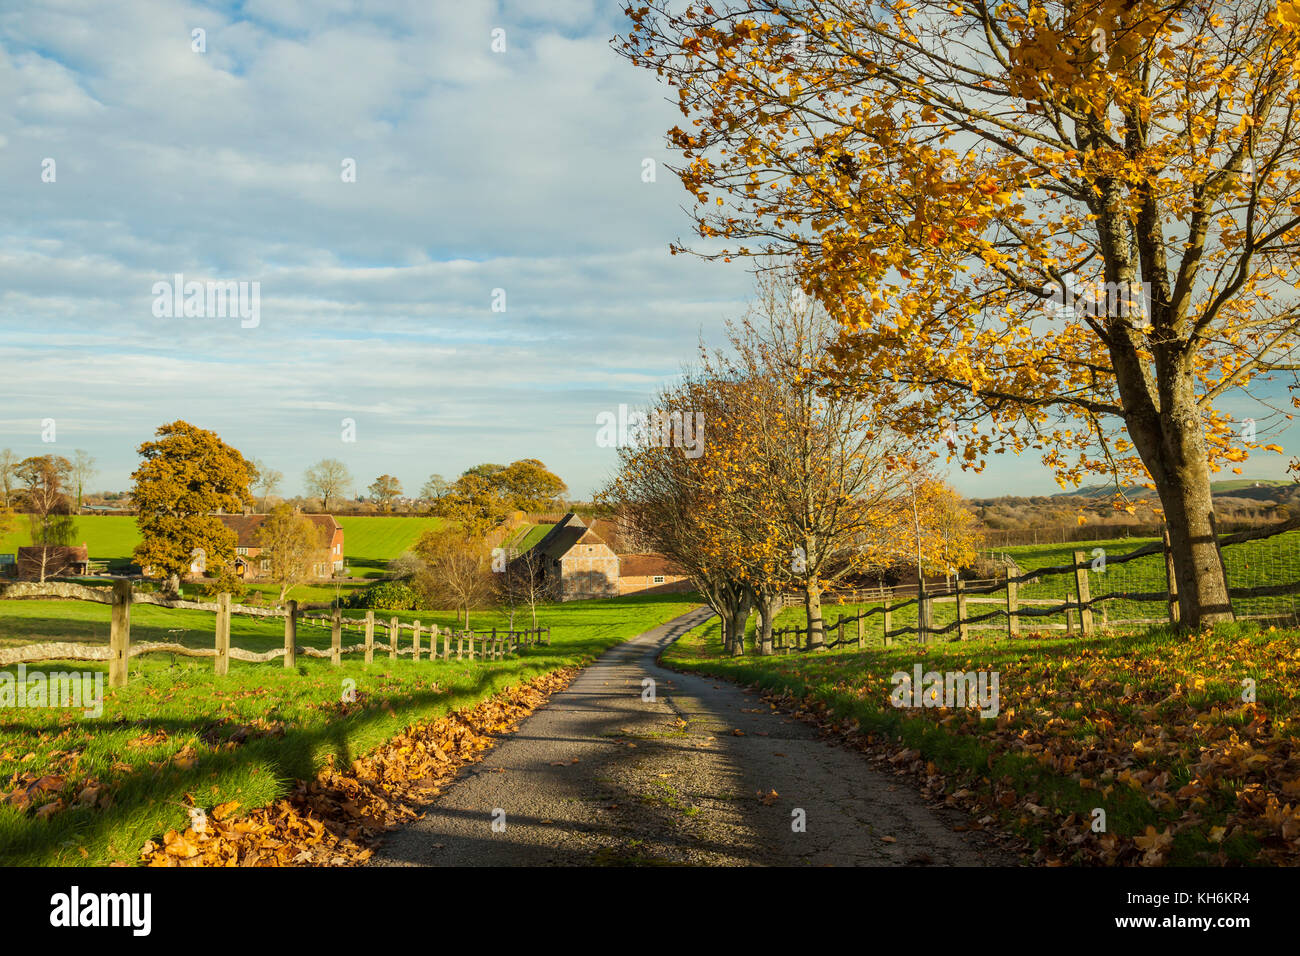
x: 476, y: 171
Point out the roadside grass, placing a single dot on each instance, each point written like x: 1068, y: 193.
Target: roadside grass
x: 1152, y: 728
x: 76, y: 790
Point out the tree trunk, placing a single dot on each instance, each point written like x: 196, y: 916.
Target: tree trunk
x: 768, y: 608
x: 739, y: 621
x: 1171, y: 443
x: 812, y: 596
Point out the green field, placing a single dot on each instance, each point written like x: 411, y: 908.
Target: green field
x: 109, y: 538
x: 369, y: 541
x: 168, y: 733
x: 1268, y: 561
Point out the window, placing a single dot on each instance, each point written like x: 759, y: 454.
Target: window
x: 266, y: 564
x: 657, y: 579
x: 241, y: 551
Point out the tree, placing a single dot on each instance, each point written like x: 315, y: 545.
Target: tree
x: 529, y: 485
x: 435, y: 488
x: 266, y: 479
x: 188, y: 474
x: 1068, y: 226
x: 8, y: 475
x: 384, y: 489
x: 328, y: 478
x: 83, y: 470
x: 474, y: 505
x: 522, y: 583
x: 291, y: 542
x: 49, y: 510
x: 820, y: 468
x: 457, y: 570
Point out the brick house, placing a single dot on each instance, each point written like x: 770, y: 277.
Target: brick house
x: 249, y: 563
x: 650, y: 574
x: 576, y: 563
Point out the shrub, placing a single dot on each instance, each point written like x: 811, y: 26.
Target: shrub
x: 385, y: 596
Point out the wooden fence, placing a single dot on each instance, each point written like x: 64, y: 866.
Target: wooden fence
x: 1077, y: 604
x: 438, y: 643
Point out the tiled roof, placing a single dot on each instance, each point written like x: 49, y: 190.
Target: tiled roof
x: 645, y: 565
x: 245, y: 526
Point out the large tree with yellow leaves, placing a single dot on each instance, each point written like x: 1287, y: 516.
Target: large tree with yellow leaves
x: 1068, y: 226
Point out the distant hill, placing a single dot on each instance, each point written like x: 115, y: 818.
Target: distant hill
x: 1257, y: 488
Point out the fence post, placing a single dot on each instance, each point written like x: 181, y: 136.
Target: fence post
x: 1171, y: 582
x: 221, y: 665
x: 1082, y: 592
x: 1069, y: 625
x: 548, y: 635
x: 291, y: 634
x: 494, y: 643
x: 861, y: 625
x: 1013, y: 606
x: 336, y: 637
x: 886, y: 638
x: 119, y: 639
x: 394, y: 629
x: 460, y: 644
x: 370, y: 636
x: 446, y: 642
x: 415, y: 644
x: 470, y: 635
x: 922, y: 608
x: 963, y: 629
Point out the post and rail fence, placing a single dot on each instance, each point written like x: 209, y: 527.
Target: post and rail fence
x: 427, y: 643
x: 1077, y: 604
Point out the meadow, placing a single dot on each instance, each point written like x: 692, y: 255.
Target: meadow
x: 369, y: 541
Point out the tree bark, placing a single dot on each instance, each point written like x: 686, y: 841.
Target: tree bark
x: 812, y: 596
x: 1172, y: 446
x: 768, y: 608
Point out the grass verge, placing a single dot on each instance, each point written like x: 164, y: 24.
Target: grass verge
x: 1150, y: 729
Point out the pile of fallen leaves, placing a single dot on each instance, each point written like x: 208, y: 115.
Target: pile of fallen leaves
x: 333, y: 819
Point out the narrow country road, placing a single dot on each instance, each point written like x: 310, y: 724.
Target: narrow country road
x: 600, y: 775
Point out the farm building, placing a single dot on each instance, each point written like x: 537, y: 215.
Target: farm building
x: 38, y: 562
x: 575, y: 563
x: 250, y: 565
x: 650, y: 574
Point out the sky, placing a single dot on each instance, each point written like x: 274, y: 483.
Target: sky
x: 493, y: 277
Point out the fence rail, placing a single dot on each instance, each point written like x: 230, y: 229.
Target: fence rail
x: 1077, y: 606
x: 438, y: 643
